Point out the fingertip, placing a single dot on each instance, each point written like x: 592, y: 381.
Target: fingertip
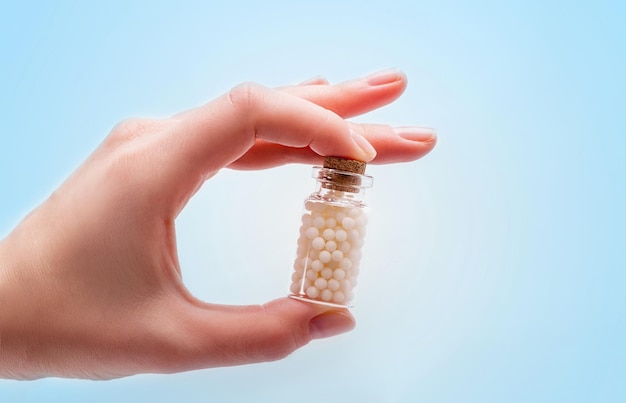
x: 387, y: 76
x: 320, y: 321
x: 331, y: 324
x: 365, y: 148
x: 414, y: 133
x: 318, y: 80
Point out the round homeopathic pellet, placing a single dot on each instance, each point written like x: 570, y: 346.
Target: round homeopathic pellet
x: 339, y: 274
x: 311, y: 275
x: 312, y: 232
x: 313, y: 292
x: 340, y: 216
x: 326, y: 295
x: 295, y: 288
x: 328, y: 234
x: 327, y: 273
x: 337, y: 256
x: 354, y: 212
x: 345, y: 264
x: 325, y: 256
x: 333, y: 284
x: 341, y: 235
x: 320, y: 283
x: 317, y: 265
x: 348, y: 223
x: 318, y: 243
x: 331, y: 246
x: 345, y: 247
x: 354, y: 235
x: 319, y: 222
x: 338, y: 296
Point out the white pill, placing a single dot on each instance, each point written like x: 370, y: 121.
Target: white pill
x: 348, y: 223
x: 338, y: 296
x: 353, y: 235
x: 311, y: 232
x: 331, y: 246
x: 319, y: 222
x: 311, y: 275
x: 326, y: 295
x: 318, y: 243
x: 325, y: 256
x: 296, y: 277
x: 302, y: 239
x: 355, y: 255
x: 345, y: 285
x: 345, y: 247
x: 306, y: 220
x: 317, y: 265
x: 346, y: 264
x: 313, y: 254
x: 295, y: 288
x: 328, y: 234
x: 337, y: 256
x: 297, y: 265
x: 355, y: 212
x: 331, y: 223
x: 302, y: 248
x: 341, y: 235
x: 333, y: 285
x: 340, y: 216
x: 327, y: 273
x: 349, y: 296
x: 339, y: 274
x: 306, y: 284
x: 361, y: 221
x: 313, y: 292
x: 321, y: 283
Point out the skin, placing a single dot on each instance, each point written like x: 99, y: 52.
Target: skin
x: 90, y: 283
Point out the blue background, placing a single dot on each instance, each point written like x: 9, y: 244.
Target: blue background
x: 494, y: 269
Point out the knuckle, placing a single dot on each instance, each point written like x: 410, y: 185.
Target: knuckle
x: 246, y: 96
x: 130, y: 128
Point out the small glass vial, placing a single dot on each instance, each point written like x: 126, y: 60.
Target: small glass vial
x: 332, y: 234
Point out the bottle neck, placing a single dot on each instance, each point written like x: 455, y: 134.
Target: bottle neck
x: 335, y: 186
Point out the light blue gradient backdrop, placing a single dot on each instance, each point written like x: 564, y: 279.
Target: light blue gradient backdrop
x: 495, y: 267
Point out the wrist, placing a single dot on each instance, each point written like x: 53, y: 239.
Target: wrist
x: 26, y: 308
x: 13, y: 351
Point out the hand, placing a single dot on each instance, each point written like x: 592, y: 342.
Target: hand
x: 90, y: 283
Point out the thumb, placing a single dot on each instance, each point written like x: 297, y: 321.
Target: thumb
x: 217, y: 335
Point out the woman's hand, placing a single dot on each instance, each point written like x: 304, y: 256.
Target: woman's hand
x: 90, y: 283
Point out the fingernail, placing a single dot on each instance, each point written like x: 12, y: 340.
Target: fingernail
x: 384, y: 77
x: 368, y: 150
x: 330, y: 324
x: 416, y: 133
x: 315, y: 81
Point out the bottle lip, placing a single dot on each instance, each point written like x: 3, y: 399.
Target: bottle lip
x: 342, y: 180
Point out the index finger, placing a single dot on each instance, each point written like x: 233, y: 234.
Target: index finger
x: 208, y: 138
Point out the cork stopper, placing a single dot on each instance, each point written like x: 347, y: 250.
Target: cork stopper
x: 344, y: 164
x: 342, y: 174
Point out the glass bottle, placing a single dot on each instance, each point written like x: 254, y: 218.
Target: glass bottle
x: 331, y: 234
